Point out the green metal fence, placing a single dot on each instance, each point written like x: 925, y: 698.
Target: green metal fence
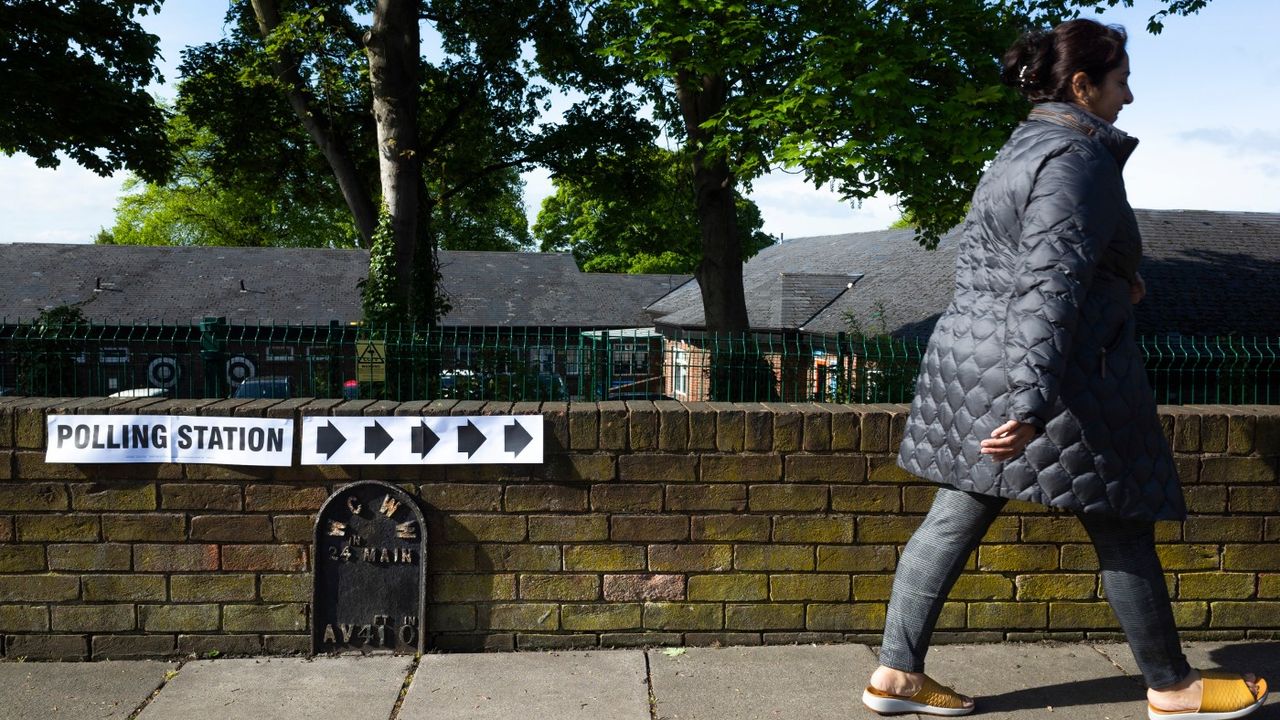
x: 217, y: 359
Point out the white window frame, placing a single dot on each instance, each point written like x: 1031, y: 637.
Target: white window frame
x: 680, y: 373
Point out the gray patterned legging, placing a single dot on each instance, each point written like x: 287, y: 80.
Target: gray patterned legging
x: 936, y: 554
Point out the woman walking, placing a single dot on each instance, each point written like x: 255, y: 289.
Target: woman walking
x: 1033, y: 386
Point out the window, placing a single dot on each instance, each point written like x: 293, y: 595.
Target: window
x: 546, y: 360
x: 113, y: 356
x: 630, y: 358
x: 279, y: 353
x: 680, y: 373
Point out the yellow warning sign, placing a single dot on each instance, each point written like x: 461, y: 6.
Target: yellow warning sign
x: 371, y: 363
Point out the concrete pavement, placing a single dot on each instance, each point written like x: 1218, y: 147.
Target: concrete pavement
x: 804, y: 682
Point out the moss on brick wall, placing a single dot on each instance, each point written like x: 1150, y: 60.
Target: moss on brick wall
x: 650, y: 523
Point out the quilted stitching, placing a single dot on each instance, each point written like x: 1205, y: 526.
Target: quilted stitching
x: 1041, y: 330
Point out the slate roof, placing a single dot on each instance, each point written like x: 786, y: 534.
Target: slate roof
x: 775, y: 300
x: 903, y: 287
x: 1207, y: 273
x: 135, y: 284
x: 182, y: 284
x: 826, y: 265
x: 1210, y: 273
x: 545, y: 289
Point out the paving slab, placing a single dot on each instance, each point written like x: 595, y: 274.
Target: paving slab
x: 1259, y: 658
x: 1039, y: 680
x: 602, y: 685
x: 784, y: 682
x: 282, y: 689
x: 109, y: 690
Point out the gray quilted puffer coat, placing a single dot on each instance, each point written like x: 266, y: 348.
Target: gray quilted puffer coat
x: 1041, y: 331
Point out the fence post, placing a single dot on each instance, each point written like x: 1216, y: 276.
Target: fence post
x: 333, y: 351
x: 842, y: 392
x: 213, y: 347
x: 607, y: 374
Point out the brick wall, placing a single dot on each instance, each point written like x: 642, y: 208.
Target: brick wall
x: 651, y: 523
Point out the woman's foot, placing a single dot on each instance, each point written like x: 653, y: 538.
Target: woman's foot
x: 1185, y: 696
x: 903, y: 684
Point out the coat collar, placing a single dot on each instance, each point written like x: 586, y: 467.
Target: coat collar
x: 1077, y: 118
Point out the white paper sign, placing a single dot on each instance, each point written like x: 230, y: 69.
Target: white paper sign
x: 169, y: 438
x: 412, y: 440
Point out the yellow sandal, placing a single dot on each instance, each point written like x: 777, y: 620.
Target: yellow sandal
x: 931, y: 699
x: 1225, y: 697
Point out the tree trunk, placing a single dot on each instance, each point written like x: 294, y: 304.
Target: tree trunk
x: 719, y: 273
x: 392, y: 47
x: 738, y: 372
x: 320, y: 129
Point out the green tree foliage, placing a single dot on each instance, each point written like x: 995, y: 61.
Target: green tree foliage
x: 488, y: 215
x: 46, y: 350
x: 248, y: 173
x: 634, y: 214
x: 901, y: 98
x: 454, y: 121
x: 72, y: 80
x: 217, y: 195
x: 200, y: 206
x: 1053, y: 10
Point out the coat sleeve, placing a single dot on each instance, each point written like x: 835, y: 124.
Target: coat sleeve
x: 1070, y: 217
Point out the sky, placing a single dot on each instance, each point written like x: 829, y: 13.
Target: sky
x: 1207, y: 92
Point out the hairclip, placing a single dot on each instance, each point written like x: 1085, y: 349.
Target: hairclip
x: 1023, y: 75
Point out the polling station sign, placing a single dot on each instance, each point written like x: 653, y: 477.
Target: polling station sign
x: 161, y: 438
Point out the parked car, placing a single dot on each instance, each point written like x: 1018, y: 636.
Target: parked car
x: 637, y: 395
x: 461, y: 384
x: 274, y: 388
x: 146, y: 392
x: 518, y: 387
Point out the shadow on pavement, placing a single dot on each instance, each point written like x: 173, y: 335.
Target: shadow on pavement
x: 1109, y: 690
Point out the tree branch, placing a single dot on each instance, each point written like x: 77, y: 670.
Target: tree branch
x: 453, y: 117
x: 318, y: 125
x: 487, y: 169
x: 342, y: 23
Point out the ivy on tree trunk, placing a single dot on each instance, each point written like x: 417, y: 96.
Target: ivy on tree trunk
x: 392, y: 47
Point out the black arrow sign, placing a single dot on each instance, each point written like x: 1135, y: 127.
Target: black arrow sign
x: 376, y: 439
x: 517, y: 438
x: 423, y: 439
x: 470, y: 438
x: 328, y: 440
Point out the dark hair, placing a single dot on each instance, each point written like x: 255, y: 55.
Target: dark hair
x: 1041, y: 63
